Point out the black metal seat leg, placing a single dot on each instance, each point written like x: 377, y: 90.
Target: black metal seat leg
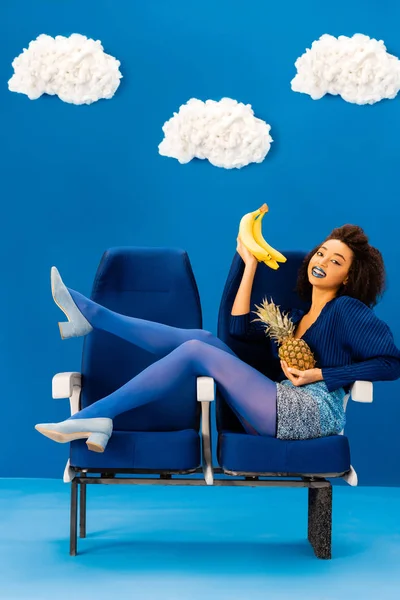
x: 74, y: 519
x: 82, y: 510
x: 320, y: 519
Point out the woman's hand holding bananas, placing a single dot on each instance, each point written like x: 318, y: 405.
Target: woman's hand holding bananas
x: 245, y: 254
x: 250, y: 234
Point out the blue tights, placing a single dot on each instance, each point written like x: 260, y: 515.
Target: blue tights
x: 181, y: 353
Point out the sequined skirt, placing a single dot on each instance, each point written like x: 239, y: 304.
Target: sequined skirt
x: 309, y: 411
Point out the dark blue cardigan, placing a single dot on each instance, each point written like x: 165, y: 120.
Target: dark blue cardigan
x: 348, y: 340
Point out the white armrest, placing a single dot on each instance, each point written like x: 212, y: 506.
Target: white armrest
x: 205, y: 389
x: 68, y: 385
x: 362, y: 391
x: 205, y: 395
x: 63, y: 384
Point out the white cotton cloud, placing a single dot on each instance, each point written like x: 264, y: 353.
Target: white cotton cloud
x: 357, y: 68
x: 74, y: 68
x: 226, y: 133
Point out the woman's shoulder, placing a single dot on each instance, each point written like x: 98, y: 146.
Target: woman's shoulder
x: 353, y: 311
x: 353, y: 315
x: 349, y: 303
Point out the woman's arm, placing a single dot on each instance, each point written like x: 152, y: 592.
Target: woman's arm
x: 240, y: 325
x: 374, y: 353
x: 381, y: 368
x: 241, y: 304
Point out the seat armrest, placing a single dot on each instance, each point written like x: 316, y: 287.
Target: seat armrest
x: 205, y: 389
x: 63, y: 384
x: 362, y: 391
x: 205, y: 395
x: 68, y: 385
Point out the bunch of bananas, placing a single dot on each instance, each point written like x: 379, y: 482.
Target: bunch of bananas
x: 250, y: 232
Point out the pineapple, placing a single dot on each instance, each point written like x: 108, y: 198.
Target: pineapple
x: 280, y: 328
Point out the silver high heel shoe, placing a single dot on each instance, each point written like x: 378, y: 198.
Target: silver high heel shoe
x: 77, y: 325
x: 97, y: 431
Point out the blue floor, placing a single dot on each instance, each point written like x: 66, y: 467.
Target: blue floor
x: 195, y: 543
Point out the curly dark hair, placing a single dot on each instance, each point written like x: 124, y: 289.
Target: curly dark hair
x: 366, y: 277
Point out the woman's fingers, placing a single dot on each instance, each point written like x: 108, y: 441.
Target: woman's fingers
x: 296, y: 372
x: 288, y: 373
x: 285, y: 369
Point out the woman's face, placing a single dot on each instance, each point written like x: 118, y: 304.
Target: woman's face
x: 329, y: 266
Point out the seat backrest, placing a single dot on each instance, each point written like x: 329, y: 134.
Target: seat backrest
x: 280, y: 285
x: 156, y: 284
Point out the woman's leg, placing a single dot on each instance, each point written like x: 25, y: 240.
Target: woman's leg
x: 250, y: 394
x: 154, y: 337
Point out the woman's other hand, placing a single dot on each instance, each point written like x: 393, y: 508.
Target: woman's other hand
x: 299, y: 378
x: 245, y: 254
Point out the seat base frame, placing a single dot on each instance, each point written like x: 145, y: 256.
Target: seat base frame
x: 319, y: 496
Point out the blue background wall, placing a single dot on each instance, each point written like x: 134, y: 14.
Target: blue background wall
x: 77, y: 180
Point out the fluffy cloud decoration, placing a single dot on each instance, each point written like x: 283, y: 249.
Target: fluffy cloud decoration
x: 74, y: 68
x: 226, y: 133
x: 358, y: 69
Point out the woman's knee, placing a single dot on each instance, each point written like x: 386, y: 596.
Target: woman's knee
x: 196, y: 354
x: 194, y: 345
x: 193, y: 350
x: 203, y: 335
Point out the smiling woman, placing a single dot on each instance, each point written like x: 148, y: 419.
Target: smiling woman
x: 342, y: 279
x: 344, y: 264
x: 327, y: 253
x: 328, y: 274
